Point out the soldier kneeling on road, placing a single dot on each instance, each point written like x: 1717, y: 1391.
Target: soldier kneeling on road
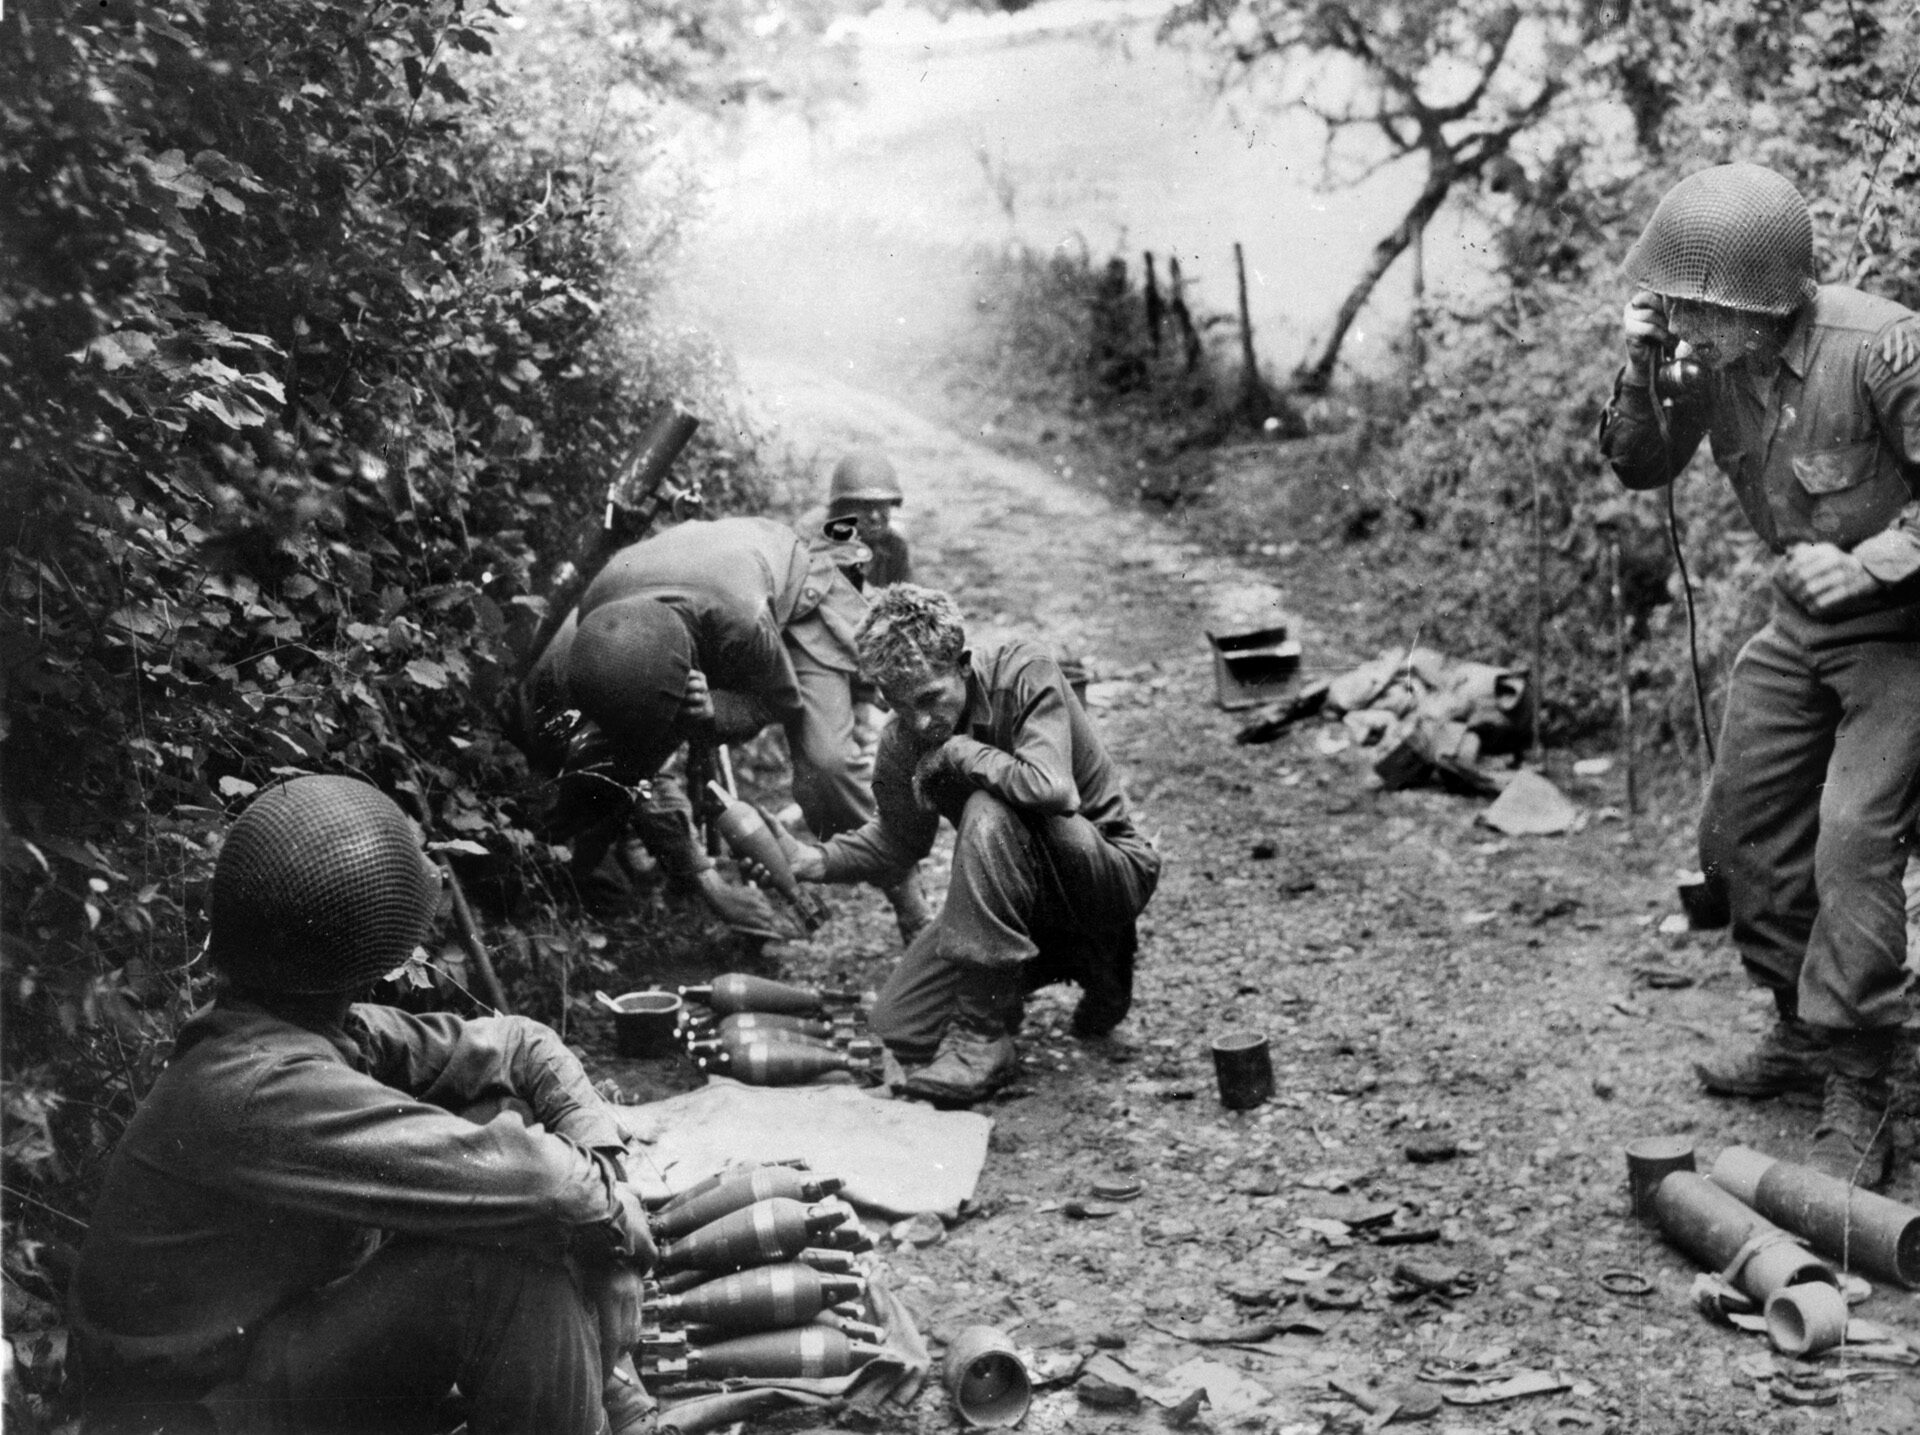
x: 326, y: 1214
x: 1049, y: 872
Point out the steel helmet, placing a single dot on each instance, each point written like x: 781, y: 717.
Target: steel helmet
x: 1737, y: 235
x: 321, y: 889
x: 864, y: 478
x: 628, y: 672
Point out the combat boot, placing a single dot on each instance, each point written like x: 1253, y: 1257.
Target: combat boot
x: 1791, y: 1056
x: 975, y: 1059
x: 1107, y: 987
x: 1854, y: 1140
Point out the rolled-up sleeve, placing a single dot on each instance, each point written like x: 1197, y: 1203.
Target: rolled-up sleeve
x: 1037, y: 774
x: 898, y: 834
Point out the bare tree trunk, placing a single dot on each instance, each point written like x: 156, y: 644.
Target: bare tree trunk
x: 1252, y: 395
x: 1314, y: 376
x: 1260, y: 405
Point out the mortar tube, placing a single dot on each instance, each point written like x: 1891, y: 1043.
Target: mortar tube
x: 1863, y: 1230
x: 1732, y: 1239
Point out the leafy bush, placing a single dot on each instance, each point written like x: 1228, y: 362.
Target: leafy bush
x: 321, y: 331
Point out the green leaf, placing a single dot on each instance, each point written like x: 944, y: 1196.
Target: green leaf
x: 427, y: 673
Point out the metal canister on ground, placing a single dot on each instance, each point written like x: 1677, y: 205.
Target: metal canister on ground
x: 986, y: 1377
x: 1243, y: 1067
x: 1648, y: 1160
x: 646, y: 1024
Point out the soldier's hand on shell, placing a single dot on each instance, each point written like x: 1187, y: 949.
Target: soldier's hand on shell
x: 808, y: 863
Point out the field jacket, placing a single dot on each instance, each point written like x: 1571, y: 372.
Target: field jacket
x: 746, y: 587
x: 1826, y: 450
x: 270, y: 1158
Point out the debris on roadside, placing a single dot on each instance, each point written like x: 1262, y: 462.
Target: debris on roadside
x: 1304, y: 704
x: 1431, y: 717
x: 1391, y: 1404
x: 1104, y: 1394
x: 1418, y: 1277
x: 1249, y: 667
x: 1531, y: 806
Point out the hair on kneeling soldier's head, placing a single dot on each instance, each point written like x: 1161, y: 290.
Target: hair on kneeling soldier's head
x: 910, y: 630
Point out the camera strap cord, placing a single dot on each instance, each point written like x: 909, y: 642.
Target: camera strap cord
x: 1679, y: 558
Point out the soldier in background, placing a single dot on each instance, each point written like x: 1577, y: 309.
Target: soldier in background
x: 1809, y: 395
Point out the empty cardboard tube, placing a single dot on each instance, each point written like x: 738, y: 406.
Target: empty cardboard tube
x: 1806, y: 1319
x: 1243, y: 1067
x: 1862, y: 1230
x: 1648, y: 1161
x: 1725, y: 1236
x: 986, y: 1377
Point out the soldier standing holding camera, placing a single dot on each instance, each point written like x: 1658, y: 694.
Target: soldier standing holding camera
x: 1809, y: 396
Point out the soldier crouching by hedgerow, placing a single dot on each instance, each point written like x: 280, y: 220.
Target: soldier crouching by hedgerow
x: 326, y: 1214
x: 1049, y: 872
x: 707, y: 633
x: 1810, y: 396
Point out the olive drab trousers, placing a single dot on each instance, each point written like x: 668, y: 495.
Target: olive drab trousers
x: 1810, y: 818
x: 1031, y: 899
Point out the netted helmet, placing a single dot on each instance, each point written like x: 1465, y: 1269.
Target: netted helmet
x: 321, y: 888
x: 1737, y: 235
x: 864, y: 478
x: 628, y: 672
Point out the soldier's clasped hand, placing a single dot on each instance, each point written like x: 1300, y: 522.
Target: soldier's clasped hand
x: 1824, y: 579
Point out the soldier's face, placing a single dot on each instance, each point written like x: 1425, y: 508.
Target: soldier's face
x: 873, y: 517
x: 928, y: 703
x: 1717, y: 337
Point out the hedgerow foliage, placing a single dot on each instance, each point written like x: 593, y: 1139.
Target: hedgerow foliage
x: 322, y: 328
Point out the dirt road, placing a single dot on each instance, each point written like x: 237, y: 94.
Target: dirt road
x: 1424, y: 982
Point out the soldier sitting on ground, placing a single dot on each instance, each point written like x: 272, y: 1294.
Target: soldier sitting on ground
x: 327, y: 1214
x: 1049, y: 872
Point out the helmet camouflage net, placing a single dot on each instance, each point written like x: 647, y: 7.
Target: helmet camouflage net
x: 1736, y: 235
x: 865, y: 477
x: 321, y: 888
